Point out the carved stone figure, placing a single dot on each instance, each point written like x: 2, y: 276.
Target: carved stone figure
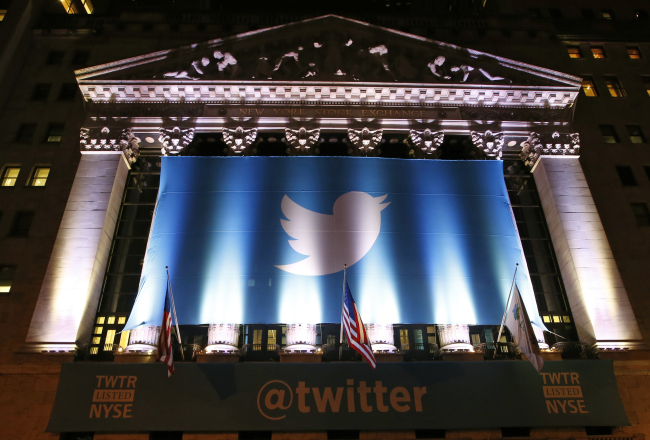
x: 302, y: 139
x: 130, y: 145
x: 365, y: 140
x: 490, y: 143
x: 428, y: 141
x: 97, y: 138
x: 555, y: 144
x: 239, y: 139
x: 175, y: 139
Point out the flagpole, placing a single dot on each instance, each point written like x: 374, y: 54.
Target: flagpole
x: 178, y: 331
x: 342, y: 304
x: 505, y: 312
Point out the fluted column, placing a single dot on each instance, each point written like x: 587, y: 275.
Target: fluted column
x: 454, y: 337
x: 223, y: 338
x: 143, y: 339
x: 301, y: 338
x: 381, y: 337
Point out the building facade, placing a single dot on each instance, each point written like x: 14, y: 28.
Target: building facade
x: 558, y: 94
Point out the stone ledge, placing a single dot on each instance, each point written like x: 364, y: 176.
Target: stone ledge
x: 217, y: 358
x: 301, y: 358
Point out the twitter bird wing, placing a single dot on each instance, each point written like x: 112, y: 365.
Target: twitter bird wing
x: 305, y: 226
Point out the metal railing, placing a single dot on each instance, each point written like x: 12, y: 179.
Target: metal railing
x: 420, y: 352
x: 261, y: 352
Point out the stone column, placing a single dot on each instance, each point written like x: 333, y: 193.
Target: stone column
x: 144, y: 339
x: 454, y: 337
x: 381, y: 337
x: 301, y: 338
x: 601, y: 309
x: 223, y: 338
x: 67, y: 303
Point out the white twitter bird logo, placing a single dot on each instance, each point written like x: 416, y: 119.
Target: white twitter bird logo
x: 330, y: 241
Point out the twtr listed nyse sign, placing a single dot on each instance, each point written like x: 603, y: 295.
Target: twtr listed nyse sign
x: 276, y: 396
x: 349, y: 395
x: 113, y: 397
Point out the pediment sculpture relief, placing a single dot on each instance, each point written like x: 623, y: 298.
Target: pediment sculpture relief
x: 332, y: 56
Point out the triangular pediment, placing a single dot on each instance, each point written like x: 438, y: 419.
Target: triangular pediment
x: 328, y: 49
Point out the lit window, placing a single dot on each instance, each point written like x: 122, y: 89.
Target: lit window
x: 609, y: 134
x: 98, y: 330
x: 121, y: 320
x: 574, y: 52
x: 404, y: 337
x: 110, y: 338
x: 39, y: 177
x: 635, y: 133
x: 6, y: 278
x: 608, y: 14
x: 124, y: 338
x: 431, y: 329
x: 3, y: 12
x: 589, y: 88
x: 257, y: 337
x: 417, y: 333
x: 557, y: 318
x: 96, y: 340
x: 626, y: 175
x: 100, y: 320
x: 272, y: 338
x: 10, y: 175
x: 54, y: 133
x: 94, y: 350
x: 111, y: 320
x: 634, y: 53
x: 567, y: 319
x: 22, y: 224
x: 88, y: 6
x: 546, y: 318
x: 476, y: 339
x: 614, y: 86
x: 641, y: 213
x: 598, y: 52
x: 69, y: 6
x: 646, y: 84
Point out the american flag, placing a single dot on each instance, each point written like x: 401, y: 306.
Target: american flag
x: 353, y: 326
x: 165, y: 353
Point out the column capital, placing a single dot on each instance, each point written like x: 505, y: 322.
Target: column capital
x: 302, y: 139
x: 365, y: 140
x: 110, y: 139
x: 489, y: 142
x: 175, y: 139
x: 428, y: 141
x: 239, y: 139
x: 556, y: 144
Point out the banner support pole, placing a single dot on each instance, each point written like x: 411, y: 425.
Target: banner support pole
x: 505, y: 313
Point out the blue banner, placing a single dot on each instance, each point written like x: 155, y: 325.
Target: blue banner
x: 265, y: 239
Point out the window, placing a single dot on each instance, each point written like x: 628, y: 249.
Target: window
x: 25, y: 133
x: 598, y: 52
x: 609, y: 134
x: 646, y: 84
x: 54, y: 132
x: 641, y: 213
x: 55, y: 57
x: 588, y: 14
x: 589, y: 88
x: 88, y: 6
x: 39, y: 176
x: 641, y: 14
x: 417, y: 334
x: 41, y: 92
x: 555, y: 12
x: 635, y: 133
x: 10, y: 175
x: 110, y: 339
x: 257, y: 336
x: 69, y: 6
x: 634, y: 53
x: 608, y: 14
x: 272, y: 337
x: 626, y: 175
x: 614, y: 86
x: 535, y: 12
x: 6, y: 278
x: 22, y: 224
x: 404, y: 337
x: 574, y: 52
x: 67, y: 92
x: 80, y: 58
